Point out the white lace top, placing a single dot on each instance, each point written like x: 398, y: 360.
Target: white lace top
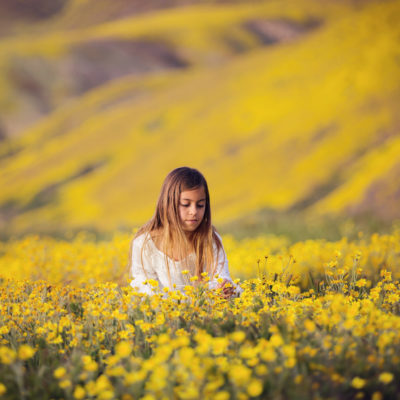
x: 155, y: 266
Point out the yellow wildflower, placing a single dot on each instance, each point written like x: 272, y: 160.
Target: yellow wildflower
x: 222, y: 395
x: 79, y: 392
x: 238, y: 336
x: 102, y: 384
x: 106, y: 395
x: 358, y: 383
x: 361, y: 283
x: 268, y: 354
x: 4, y: 330
x: 298, y: 379
x: 276, y: 340
x: 153, y: 283
x: 309, y: 325
x: 59, y: 372
x: 7, y: 355
x: 123, y: 349
x: 376, y: 396
x: 255, y: 388
x: 386, y: 377
x: 25, y: 352
x: 261, y: 369
x: 65, y: 383
x: 239, y: 374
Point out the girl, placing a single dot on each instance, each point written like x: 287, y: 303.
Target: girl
x: 179, y: 242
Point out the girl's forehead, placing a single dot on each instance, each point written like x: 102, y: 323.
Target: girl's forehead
x: 194, y: 194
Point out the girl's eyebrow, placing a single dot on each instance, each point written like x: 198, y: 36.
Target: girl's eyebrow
x: 191, y: 199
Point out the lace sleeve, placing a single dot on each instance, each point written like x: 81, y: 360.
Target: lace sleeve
x: 140, y: 272
x: 222, y: 270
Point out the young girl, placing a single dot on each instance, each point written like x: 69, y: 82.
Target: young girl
x: 179, y: 242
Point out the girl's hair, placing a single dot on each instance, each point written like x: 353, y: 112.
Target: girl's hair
x: 166, y: 222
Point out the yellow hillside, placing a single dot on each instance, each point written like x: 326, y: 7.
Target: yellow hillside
x: 309, y: 124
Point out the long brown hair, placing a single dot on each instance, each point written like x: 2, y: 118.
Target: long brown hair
x: 166, y: 222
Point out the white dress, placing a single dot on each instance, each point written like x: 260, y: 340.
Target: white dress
x: 155, y: 266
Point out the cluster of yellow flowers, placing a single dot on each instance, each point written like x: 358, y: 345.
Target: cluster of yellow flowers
x: 337, y: 337
x: 83, y: 261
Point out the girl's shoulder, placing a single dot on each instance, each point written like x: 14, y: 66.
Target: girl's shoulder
x: 218, y: 235
x: 146, y: 241
x: 139, y: 240
x: 217, y: 238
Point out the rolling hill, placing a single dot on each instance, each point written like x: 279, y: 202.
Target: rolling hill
x: 289, y: 106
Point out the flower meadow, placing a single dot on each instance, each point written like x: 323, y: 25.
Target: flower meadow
x: 316, y: 320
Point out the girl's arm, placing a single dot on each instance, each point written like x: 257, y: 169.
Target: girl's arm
x: 138, y: 269
x: 223, y: 270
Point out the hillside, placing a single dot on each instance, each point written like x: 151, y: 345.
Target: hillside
x: 282, y: 106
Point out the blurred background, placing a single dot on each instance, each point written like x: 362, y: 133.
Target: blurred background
x: 289, y: 108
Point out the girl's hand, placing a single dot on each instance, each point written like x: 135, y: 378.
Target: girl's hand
x: 227, y: 288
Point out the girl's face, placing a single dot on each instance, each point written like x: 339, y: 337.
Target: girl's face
x: 192, y: 205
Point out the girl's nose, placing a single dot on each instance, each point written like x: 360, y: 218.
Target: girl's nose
x: 193, y: 210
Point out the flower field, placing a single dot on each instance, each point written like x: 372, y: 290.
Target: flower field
x: 317, y: 319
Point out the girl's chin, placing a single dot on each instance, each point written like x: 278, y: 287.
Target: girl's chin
x: 190, y: 228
